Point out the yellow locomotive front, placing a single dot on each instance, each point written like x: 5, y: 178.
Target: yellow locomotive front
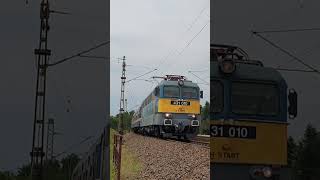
x: 171, y: 110
x: 248, y: 118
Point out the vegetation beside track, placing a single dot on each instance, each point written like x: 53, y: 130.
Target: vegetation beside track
x: 130, y: 165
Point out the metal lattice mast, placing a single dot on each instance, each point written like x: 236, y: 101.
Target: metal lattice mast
x: 50, y: 139
x: 42, y: 53
x: 122, y: 101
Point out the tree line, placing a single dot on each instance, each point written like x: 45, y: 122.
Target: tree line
x: 304, y: 155
x: 53, y: 170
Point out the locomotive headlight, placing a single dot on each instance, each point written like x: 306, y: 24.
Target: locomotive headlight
x: 227, y: 66
x: 193, y: 116
x: 168, y: 115
x: 267, y: 172
x: 261, y: 172
x: 181, y: 83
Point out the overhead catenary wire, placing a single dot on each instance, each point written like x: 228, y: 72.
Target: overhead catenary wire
x: 79, y: 54
x: 142, y: 75
x: 175, y: 49
x: 72, y: 146
x: 190, y: 41
x: 286, y: 52
x: 196, y: 19
x: 193, y: 38
x: 288, y: 30
x: 294, y: 70
x: 199, y: 77
x: 305, y: 54
x: 95, y: 57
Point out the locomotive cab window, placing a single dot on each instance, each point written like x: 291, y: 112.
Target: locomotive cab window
x: 255, y: 99
x: 216, y: 96
x: 189, y: 93
x: 171, y: 91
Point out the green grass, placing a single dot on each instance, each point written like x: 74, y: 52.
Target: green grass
x: 130, y: 165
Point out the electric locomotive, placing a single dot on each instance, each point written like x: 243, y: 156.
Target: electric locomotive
x: 171, y: 109
x: 248, y: 115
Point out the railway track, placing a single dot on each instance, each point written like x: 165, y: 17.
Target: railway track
x: 203, y: 140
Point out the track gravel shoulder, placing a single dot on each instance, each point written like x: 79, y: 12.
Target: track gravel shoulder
x: 162, y: 159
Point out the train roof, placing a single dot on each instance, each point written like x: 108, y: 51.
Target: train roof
x: 175, y: 83
x: 249, y: 72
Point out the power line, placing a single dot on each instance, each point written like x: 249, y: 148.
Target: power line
x: 194, y: 37
x: 285, y: 51
x: 142, y: 75
x: 95, y: 57
x: 197, y: 18
x: 305, y: 54
x: 72, y: 146
x: 173, y: 50
x: 289, y: 30
x: 294, y: 70
x: 79, y: 54
x: 199, y: 77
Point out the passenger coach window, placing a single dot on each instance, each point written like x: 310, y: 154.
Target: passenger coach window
x: 189, y: 92
x: 216, y: 97
x: 171, y: 91
x: 255, y: 99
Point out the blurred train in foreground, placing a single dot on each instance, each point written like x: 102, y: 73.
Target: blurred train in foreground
x: 248, y: 117
x: 171, y: 109
x: 95, y: 164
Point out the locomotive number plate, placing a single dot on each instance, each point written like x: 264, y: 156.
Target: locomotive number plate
x: 182, y: 103
x: 229, y: 131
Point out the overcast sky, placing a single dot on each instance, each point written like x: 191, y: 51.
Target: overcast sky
x: 153, y: 34
x: 232, y: 21
x: 81, y: 81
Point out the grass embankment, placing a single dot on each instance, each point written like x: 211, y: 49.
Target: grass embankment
x: 130, y: 165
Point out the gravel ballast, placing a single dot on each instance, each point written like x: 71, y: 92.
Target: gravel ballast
x: 169, y: 159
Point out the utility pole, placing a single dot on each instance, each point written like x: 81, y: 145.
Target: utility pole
x: 50, y: 140
x: 122, y: 101
x: 42, y: 54
x: 117, y: 139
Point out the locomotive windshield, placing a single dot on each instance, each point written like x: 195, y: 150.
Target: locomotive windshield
x: 189, y: 93
x: 171, y: 91
x: 216, y: 96
x: 255, y: 99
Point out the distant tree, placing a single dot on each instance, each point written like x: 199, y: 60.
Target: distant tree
x: 114, y: 122
x: 68, y: 164
x: 24, y: 171
x: 308, y: 157
x: 127, y: 117
x: 205, y: 111
x: 292, y: 151
x: 205, y: 119
x: 52, y: 170
x: 7, y: 175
